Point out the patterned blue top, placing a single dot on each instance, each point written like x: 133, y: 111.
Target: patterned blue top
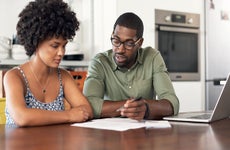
x: 32, y: 102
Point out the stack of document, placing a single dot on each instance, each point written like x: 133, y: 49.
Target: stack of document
x: 122, y: 124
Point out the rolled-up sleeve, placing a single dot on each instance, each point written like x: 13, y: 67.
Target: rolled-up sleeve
x: 162, y: 83
x: 94, y: 87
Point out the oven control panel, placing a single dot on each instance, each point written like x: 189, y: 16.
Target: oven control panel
x: 174, y: 18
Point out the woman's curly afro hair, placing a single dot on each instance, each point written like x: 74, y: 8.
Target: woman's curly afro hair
x: 43, y: 19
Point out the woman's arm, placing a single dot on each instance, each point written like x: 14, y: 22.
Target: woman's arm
x: 73, y: 95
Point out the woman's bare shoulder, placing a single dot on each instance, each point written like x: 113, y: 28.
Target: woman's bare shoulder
x: 12, y: 73
x: 13, y: 77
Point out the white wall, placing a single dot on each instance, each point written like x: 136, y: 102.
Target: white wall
x: 10, y: 9
x: 104, y: 17
x: 191, y: 94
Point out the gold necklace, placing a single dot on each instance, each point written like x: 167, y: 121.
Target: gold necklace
x: 47, y: 81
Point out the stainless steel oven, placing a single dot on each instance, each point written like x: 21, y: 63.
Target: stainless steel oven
x: 177, y: 36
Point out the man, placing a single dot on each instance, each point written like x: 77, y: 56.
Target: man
x: 127, y: 72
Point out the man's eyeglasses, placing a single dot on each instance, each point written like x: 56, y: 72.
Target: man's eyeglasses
x: 129, y: 44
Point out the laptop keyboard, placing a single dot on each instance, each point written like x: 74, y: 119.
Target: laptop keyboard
x: 203, y: 116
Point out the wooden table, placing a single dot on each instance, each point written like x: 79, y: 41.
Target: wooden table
x: 182, y: 136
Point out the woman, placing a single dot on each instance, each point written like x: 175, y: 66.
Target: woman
x: 35, y: 91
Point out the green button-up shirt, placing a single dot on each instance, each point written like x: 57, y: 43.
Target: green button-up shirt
x: 147, y: 78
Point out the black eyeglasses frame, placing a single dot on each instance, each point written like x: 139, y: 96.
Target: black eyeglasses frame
x: 124, y: 43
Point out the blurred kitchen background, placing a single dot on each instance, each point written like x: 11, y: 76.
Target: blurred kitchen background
x: 204, y: 30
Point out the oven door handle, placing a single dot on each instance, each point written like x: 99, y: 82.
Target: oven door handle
x: 176, y: 29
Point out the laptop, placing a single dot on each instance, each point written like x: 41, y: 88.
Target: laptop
x: 220, y: 111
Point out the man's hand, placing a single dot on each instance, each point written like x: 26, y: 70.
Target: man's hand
x: 134, y: 109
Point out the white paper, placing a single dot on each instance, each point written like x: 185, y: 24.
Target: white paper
x: 122, y: 124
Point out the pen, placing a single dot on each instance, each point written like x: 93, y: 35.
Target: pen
x: 136, y: 99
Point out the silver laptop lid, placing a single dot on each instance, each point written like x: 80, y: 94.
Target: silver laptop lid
x: 222, y: 107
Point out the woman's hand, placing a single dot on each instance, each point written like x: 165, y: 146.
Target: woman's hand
x: 78, y: 114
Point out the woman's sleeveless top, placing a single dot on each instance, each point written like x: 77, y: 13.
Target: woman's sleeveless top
x: 32, y: 102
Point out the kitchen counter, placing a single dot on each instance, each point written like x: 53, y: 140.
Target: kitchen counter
x: 8, y: 63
